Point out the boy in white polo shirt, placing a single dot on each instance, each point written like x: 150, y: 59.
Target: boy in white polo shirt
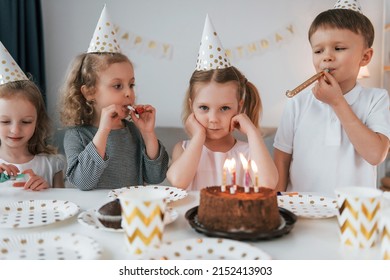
x: 336, y: 133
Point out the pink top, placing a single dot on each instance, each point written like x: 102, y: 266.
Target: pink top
x: 210, y: 168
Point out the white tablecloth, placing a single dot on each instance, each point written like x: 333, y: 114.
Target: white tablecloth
x: 309, y: 239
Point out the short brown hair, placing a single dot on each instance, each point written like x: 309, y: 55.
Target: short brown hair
x: 345, y: 19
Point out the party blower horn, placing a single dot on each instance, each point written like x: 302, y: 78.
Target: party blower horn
x: 305, y: 84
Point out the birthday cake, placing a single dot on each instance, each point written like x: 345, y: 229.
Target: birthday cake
x: 255, y: 212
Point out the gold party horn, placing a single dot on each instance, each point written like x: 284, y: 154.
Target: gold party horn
x: 305, y: 84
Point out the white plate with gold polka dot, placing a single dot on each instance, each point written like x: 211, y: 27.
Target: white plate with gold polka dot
x: 308, y: 205
x: 49, y: 246
x: 205, y: 249
x: 173, y: 193
x: 33, y: 213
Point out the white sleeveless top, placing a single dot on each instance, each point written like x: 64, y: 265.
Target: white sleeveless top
x: 43, y: 165
x: 210, y: 167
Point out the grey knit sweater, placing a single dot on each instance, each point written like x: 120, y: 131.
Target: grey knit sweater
x: 125, y: 162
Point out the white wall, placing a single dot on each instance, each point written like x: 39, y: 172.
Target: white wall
x: 69, y: 26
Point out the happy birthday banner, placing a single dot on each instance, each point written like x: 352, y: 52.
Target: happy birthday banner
x: 146, y: 45
x: 153, y: 47
x: 262, y: 45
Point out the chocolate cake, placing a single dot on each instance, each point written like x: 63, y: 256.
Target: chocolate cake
x: 238, y: 212
x: 110, y: 214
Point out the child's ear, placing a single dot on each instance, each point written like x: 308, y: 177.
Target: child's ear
x: 190, y: 103
x: 88, y: 93
x: 240, y: 105
x: 367, y: 55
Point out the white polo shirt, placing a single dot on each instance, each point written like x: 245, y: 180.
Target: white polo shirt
x: 323, y: 158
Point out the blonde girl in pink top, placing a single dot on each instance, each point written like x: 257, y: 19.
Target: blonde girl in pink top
x: 217, y: 102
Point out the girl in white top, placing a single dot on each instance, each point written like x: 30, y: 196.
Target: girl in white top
x: 24, y: 132
x: 217, y: 102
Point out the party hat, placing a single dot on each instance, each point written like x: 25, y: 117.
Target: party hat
x: 349, y: 5
x: 104, y: 39
x: 9, y: 69
x: 211, y: 53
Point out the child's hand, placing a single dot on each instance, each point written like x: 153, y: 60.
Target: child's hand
x: 146, y: 119
x: 111, y: 117
x: 34, y: 183
x: 193, y: 127
x: 327, y: 89
x: 242, y: 123
x: 10, y: 169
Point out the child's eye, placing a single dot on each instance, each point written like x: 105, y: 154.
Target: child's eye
x: 317, y: 51
x: 26, y: 122
x: 132, y: 85
x: 203, y: 108
x: 118, y: 86
x: 225, y: 108
x: 5, y: 122
x: 339, y: 49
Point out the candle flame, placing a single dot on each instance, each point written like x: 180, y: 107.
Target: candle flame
x: 226, y: 164
x: 254, y: 169
x: 232, y: 165
x: 244, y: 161
x: 254, y: 166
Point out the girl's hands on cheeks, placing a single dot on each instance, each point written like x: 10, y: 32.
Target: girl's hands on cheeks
x: 9, y: 169
x: 194, y: 127
x: 145, y: 121
x: 242, y: 123
x: 328, y: 90
x: 111, y: 117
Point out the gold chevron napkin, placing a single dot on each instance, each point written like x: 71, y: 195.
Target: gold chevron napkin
x: 385, y: 234
x: 142, y: 218
x: 358, y: 215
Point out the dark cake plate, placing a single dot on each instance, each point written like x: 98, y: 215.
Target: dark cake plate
x: 288, y: 222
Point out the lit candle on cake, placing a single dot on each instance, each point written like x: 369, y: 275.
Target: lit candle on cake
x: 254, y: 169
x: 244, y: 163
x: 233, y: 172
x: 224, y: 171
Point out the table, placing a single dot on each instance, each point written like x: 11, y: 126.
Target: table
x: 316, y: 239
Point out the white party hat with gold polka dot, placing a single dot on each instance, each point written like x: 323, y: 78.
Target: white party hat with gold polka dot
x: 9, y: 69
x: 353, y: 5
x: 211, y: 53
x: 104, y: 39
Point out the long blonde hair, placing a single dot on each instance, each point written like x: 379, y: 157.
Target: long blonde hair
x: 27, y: 90
x: 74, y: 108
x: 246, y: 91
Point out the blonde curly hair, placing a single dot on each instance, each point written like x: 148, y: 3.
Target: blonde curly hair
x: 83, y: 71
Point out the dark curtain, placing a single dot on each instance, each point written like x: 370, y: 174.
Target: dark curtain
x: 21, y: 32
